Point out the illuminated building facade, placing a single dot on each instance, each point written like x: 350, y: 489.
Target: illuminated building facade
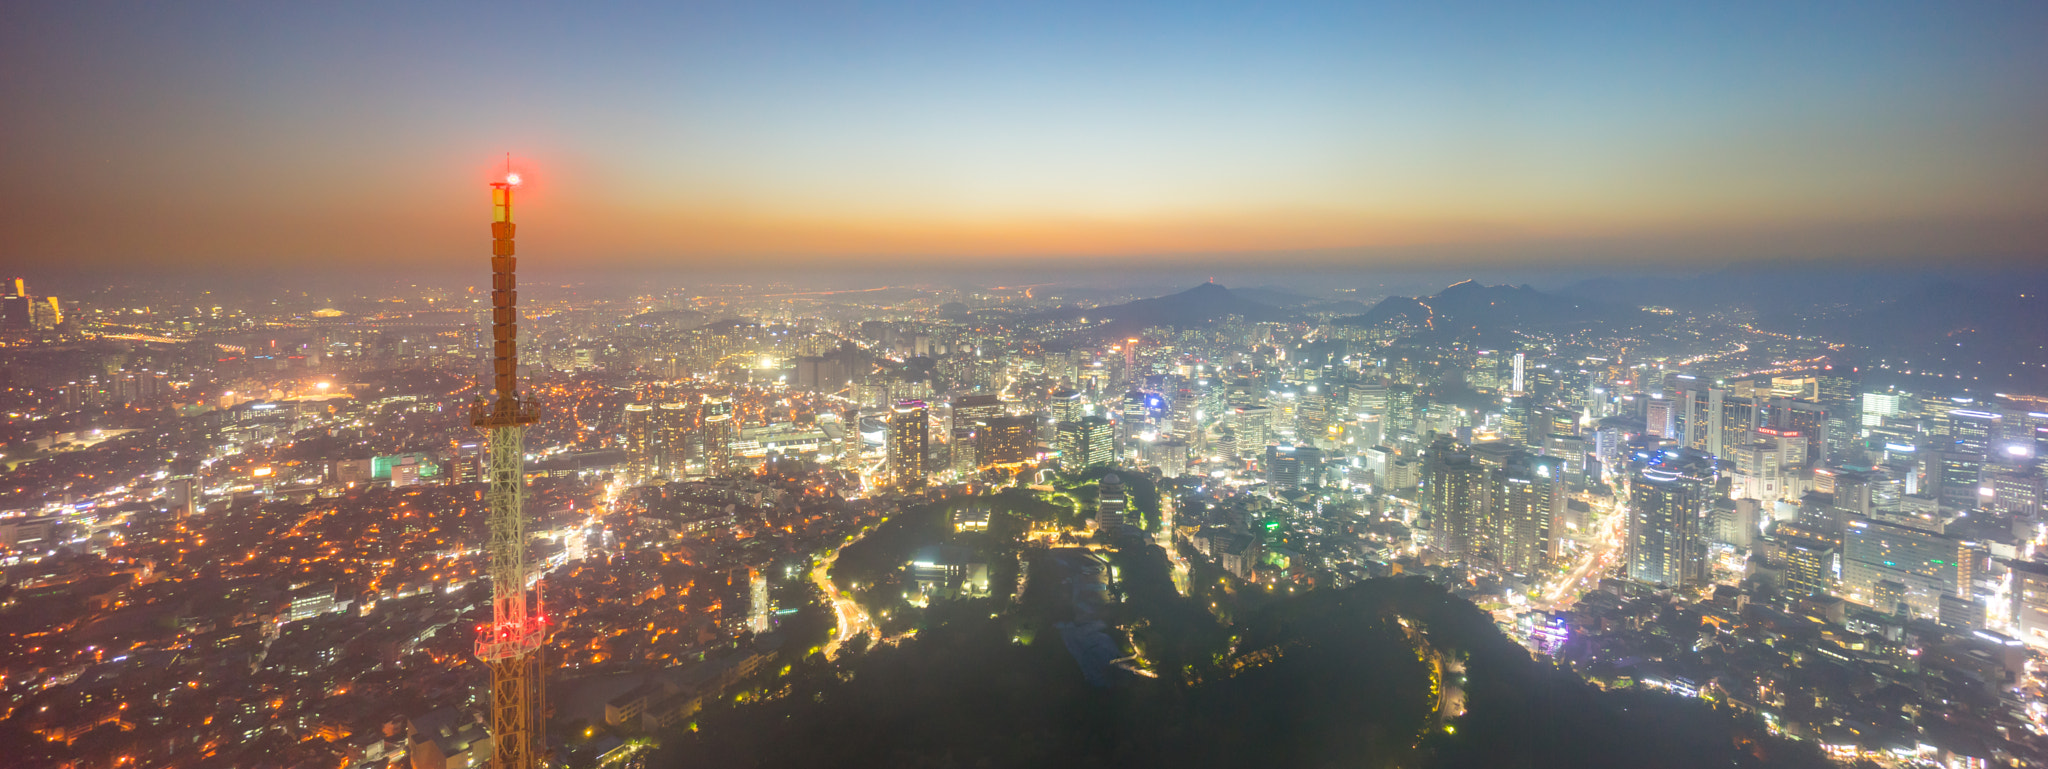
x: 1928, y: 564
x: 1455, y: 498
x: 909, y: 434
x: 639, y: 434
x: 1527, y: 497
x: 1668, y: 502
x: 1086, y: 442
x: 970, y: 414
x: 1290, y: 467
x: 719, y: 432
x: 1006, y: 440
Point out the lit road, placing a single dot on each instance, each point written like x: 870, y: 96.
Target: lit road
x: 1597, y: 560
x: 852, y: 619
x: 1165, y: 540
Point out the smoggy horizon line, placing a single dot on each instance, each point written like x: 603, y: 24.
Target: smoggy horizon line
x: 1388, y: 279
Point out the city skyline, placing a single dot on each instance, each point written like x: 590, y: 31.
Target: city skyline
x: 904, y: 137
x: 1148, y: 385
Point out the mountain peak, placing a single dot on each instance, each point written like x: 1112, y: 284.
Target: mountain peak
x: 1206, y: 289
x: 1203, y: 304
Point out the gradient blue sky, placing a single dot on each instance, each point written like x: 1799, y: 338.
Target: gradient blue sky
x: 701, y: 134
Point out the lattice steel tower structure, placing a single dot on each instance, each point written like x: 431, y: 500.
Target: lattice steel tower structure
x: 511, y: 644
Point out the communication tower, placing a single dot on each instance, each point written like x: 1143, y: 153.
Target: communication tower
x: 511, y: 644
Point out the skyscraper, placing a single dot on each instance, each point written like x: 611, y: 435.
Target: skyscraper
x: 1368, y: 398
x: 720, y: 430
x: 1006, y: 440
x: 17, y: 310
x: 1661, y: 419
x: 909, y: 428
x: 1454, y: 496
x: 1400, y: 412
x: 1668, y: 500
x: 1313, y: 420
x: 1289, y: 467
x: 851, y: 446
x: 1527, y: 497
x: 1808, y: 419
x: 2030, y: 602
x: 1973, y: 431
x: 2016, y: 481
x: 1086, y: 442
x: 1253, y: 426
x: 1927, y: 564
x: 673, y: 423
x: 1514, y: 418
x: 639, y: 429
x: 970, y: 413
x: 1953, y: 476
x: 1065, y: 405
x: 1809, y: 559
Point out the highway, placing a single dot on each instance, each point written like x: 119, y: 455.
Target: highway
x: 1595, y: 563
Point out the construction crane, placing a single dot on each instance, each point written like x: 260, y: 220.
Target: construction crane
x: 511, y: 643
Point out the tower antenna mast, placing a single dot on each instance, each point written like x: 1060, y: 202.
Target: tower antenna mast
x: 511, y: 644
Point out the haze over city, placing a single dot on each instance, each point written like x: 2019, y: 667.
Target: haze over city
x: 709, y: 384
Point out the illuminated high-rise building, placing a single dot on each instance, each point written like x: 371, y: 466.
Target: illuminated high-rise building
x: 852, y: 447
x: 1284, y: 412
x: 1253, y: 425
x: 17, y: 310
x: 720, y: 429
x: 674, y: 423
x: 1291, y: 467
x: 1086, y: 442
x: 1808, y: 419
x: 1514, y: 418
x: 1810, y: 558
x: 1954, y: 476
x: 1668, y: 505
x: 908, y: 443
x: 48, y: 314
x: 970, y: 413
x: 1928, y: 565
x: 1454, y: 496
x: 2030, y: 602
x: 1527, y: 497
x: 1005, y: 440
x: 1835, y: 391
x: 1974, y: 431
x: 1879, y: 405
x: 1400, y: 422
x: 639, y: 429
x: 1134, y: 418
x: 1066, y: 405
x: 1736, y: 418
x: 2016, y: 481
x: 1312, y: 422
x: 1131, y: 373
x: 1368, y: 398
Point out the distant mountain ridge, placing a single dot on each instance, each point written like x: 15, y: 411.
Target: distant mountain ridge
x: 1199, y: 306
x: 1472, y: 309
x: 1985, y: 326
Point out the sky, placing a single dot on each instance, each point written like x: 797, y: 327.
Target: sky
x: 263, y: 136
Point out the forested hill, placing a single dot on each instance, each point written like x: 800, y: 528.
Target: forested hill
x: 1370, y: 676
